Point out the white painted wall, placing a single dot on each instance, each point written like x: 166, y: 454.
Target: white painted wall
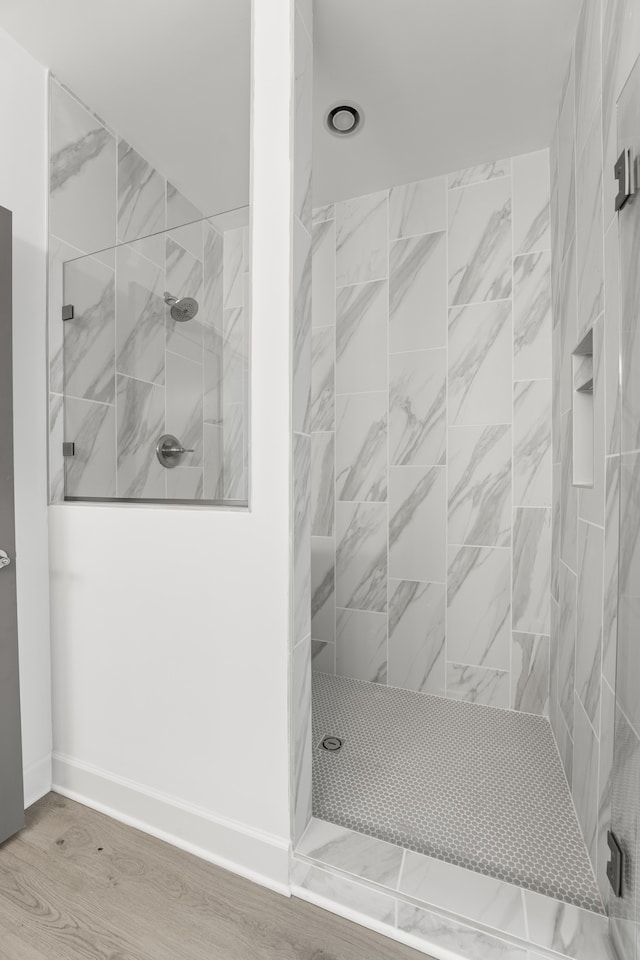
x: 170, y: 625
x: 23, y: 183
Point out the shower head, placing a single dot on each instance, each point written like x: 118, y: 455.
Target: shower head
x: 183, y: 308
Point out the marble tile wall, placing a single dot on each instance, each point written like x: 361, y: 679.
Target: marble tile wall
x: 304, y: 457
x: 122, y: 372
x: 585, y: 522
x: 431, y: 436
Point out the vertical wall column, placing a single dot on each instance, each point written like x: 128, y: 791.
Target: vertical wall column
x: 301, y: 415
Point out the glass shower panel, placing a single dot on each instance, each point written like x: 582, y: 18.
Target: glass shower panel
x: 625, y: 817
x: 156, y: 367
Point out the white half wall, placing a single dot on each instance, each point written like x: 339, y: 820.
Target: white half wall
x: 170, y: 625
x: 23, y: 185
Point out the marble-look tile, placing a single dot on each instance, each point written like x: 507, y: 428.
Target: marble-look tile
x: 531, y: 569
x: 554, y: 644
x: 473, y: 895
x: 213, y: 483
x: 212, y: 374
x: 569, y: 499
x: 566, y: 168
x: 480, y: 242
x: 418, y: 208
x: 361, y: 447
x: 417, y: 531
x: 322, y: 378
x: 568, y: 324
x: 565, y: 747
x: 323, y: 585
x: 628, y: 649
x: 361, y: 556
x: 232, y: 267
x: 480, y: 485
x: 234, y: 355
x: 478, y: 608
x: 212, y: 276
x: 56, y: 439
x: 588, y: 59
x: 361, y: 645
x: 82, y: 175
x: 185, y: 483
x: 323, y: 657
x: 183, y: 279
x: 479, y: 174
x: 532, y: 316
x: 417, y: 613
x: 605, y: 781
x: 326, y: 211
x: 301, y: 389
x: 531, y: 186
x: 346, y: 893
x: 89, y: 339
x: 322, y: 484
x: 556, y: 434
x: 585, y: 777
x: 530, y: 673
x: 301, y: 735
x: 417, y: 407
x: 478, y: 685
x: 589, y: 623
x: 567, y: 643
x: 418, y: 293
x: 361, y: 239
x: 92, y: 427
x: 140, y: 424
x: 362, y: 314
x: 184, y: 406
x: 589, y: 229
x: 234, y: 452
x: 303, y: 114
x: 566, y: 929
x: 352, y: 852
x: 185, y: 221
x: 480, y: 377
x: 532, y: 443
x: 141, y: 195
x: 456, y: 939
x: 324, y: 273
x: 140, y: 307
x: 555, y: 531
x: 612, y: 340
x: 301, y: 537
x: 611, y: 547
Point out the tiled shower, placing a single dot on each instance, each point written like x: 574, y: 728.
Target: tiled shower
x: 431, y: 435
x: 122, y: 372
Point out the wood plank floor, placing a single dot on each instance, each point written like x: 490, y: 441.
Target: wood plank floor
x: 76, y: 885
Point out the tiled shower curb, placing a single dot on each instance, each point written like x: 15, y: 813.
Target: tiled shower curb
x: 461, y: 918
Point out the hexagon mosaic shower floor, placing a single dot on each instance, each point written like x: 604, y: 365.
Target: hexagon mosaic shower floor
x: 476, y: 786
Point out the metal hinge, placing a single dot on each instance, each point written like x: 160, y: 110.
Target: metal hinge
x: 68, y: 448
x: 623, y: 171
x: 67, y: 311
x: 615, y: 867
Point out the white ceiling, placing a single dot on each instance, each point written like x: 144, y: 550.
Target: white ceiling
x: 171, y: 76
x: 443, y: 83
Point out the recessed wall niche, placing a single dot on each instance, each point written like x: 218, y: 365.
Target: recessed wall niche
x: 583, y: 428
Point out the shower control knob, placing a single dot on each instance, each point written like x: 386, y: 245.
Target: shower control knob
x: 169, y: 450
x: 5, y: 559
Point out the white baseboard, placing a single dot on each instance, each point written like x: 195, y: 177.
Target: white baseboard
x: 37, y: 780
x: 259, y: 856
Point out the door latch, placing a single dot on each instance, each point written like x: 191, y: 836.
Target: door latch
x: 623, y: 172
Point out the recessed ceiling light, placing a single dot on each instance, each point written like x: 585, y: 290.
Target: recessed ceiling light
x: 344, y: 119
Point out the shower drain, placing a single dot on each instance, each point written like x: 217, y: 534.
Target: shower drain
x: 331, y: 744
